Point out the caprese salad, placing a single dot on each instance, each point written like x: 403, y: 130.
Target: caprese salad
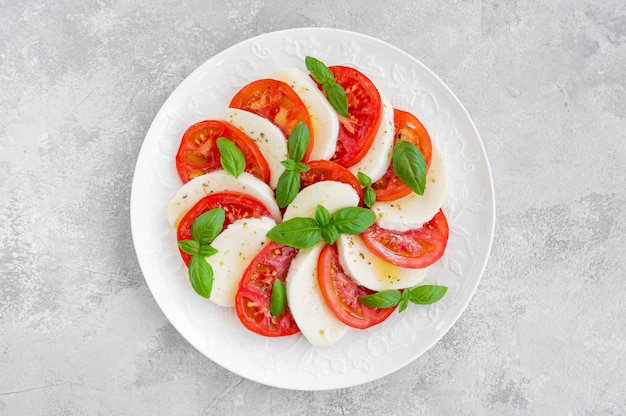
x: 310, y: 205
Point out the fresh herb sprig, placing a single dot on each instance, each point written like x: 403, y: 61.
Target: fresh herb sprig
x: 231, y: 157
x: 203, y: 231
x: 369, y: 194
x: 421, y: 295
x: 409, y: 166
x: 301, y: 232
x: 278, y: 299
x: 323, y: 75
x: 289, y: 181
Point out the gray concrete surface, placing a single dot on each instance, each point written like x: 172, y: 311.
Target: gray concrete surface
x: 544, y: 81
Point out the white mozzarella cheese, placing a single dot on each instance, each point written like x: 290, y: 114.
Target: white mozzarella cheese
x: 377, y: 159
x: 371, y: 271
x: 324, y: 120
x: 220, y: 181
x: 316, y: 321
x: 413, y: 210
x: 236, y: 247
x: 270, y: 140
x: 332, y: 195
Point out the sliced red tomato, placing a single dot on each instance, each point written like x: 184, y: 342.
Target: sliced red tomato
x: 408, y: 128
x: 236, y: 206
x: 325, y: 170
x: 198, y: 152
x: 414, y: 249
x: 276, y: 101
x: 252, y: 301
x: 358, y: 130
x: 341, y: 293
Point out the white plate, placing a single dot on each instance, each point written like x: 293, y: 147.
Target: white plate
x: 361, y: 356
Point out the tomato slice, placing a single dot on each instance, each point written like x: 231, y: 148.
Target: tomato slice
x: 414, y: 249
x: 409, y: 128
x: 252, y: 301
x: 198, y: 152
x: 358, y: 130
x: 235, y: 205
x: 276, y: 101
x: 341, y: 293
x: 325, y: 170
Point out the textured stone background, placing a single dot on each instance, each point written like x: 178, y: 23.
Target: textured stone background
x: 80, y: 82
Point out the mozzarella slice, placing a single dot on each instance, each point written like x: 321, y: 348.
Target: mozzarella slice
x: 316, y: 321
x: 270, y: 140
x: 413, y: 210
x: 236, y: 247
x: 324, y: 120
x: 377, y: 159
x: 332, y: 195
x: 371, y: 271
x: 220, y: 181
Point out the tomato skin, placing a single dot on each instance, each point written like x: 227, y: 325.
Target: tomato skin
x: 252, y: 301
x: 414, y: 249
x: 341, y: 293
x: 357, y: 131
x: 407, y: 127
x: 276, y: 101
x: 235, y: 205
x: 325, y: 170
x: 198, y: 152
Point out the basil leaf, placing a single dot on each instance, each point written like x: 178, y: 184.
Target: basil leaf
x: 201, y: 276
x: 289, y: 164
x: 427, y: 294
x: 297, y: 232
x: 384, y: 299
x: 301, y: 167
x: 189, y: 246
x: 369, y: 196
x: 207, y: 251
x: 322, y: 216
x: 337, y: 98
x: 231, y: 158
x: 287, y: 187
x: 298, y: 141
x: 319, y: 71
x: 409, y: 165
x: 278, y: 300
x: 208, y: 225
x: 364, y: 180
x: 352, y: 220
x: 330, y: 234
x: 404, y: 303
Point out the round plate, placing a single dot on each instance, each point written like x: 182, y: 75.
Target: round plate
x: 360, y: 356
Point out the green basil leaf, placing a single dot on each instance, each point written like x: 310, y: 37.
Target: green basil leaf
x: 337, y: 98
x: 322, y: 216
x: 231, y: 158
x: 364, y: 180
x: 409, y: 165
x: 207, y: 251
x: 297, y: 232
x: 208, y: 225
x: 287, y: 187
x: 404, y: 303
x: 298, y: 141
x: 201, y: 276
x: 289, y: 164
x: 319, y: 71
x: 383, y: 299
x: 369, y: 196
x: 301, y: 167
x: 278, y: 300
x: 189, y: 246
x: 330, y: 234
x: 352, y: 220
x: 427, y: 294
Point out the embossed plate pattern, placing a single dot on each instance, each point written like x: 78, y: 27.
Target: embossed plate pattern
x: 361, y: 356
